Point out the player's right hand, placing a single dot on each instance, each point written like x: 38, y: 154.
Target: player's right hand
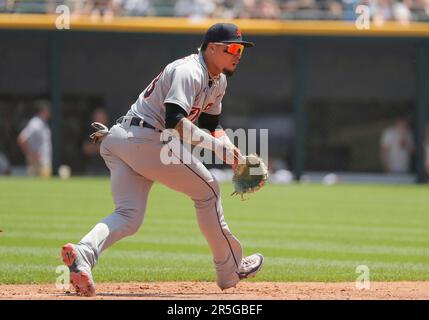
x: 230, y: 155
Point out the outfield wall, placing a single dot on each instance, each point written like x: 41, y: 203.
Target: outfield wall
x: 338, y: 85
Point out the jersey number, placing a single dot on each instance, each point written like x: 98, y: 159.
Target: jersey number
x: 151, y: 87
x: 195, y: 112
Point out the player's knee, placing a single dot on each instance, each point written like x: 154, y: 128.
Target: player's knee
x: 209, y: 194
x: 132, y: 228
x: 213, y: 189
x: 207, y: 198
x: 132, y: 220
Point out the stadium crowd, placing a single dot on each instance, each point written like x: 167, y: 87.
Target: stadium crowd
x: 404, y: 11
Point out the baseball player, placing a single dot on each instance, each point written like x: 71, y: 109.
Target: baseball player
x: 187, y: 90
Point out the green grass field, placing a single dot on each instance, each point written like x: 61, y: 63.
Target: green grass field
x: 306, y: 232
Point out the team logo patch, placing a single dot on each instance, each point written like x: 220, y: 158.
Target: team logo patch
x: 238, y: 33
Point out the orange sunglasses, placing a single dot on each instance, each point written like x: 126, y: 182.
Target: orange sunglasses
x: 233, y: 48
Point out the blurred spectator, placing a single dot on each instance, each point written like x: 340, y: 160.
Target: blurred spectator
x: 7, y: 5
x: 35, y: 142
x: 381, y: 11
x: 298, y: 9
x: 401, y: 13
x: 225, y: 9
x: 245, y: 9
x: 194, y: 8
x: 138, y: 8
x: 421, y: 9
x: 336, y: 10
x: 397, y: 146
x: 267, y: 9
x: 4, y: 165
x: 94, y: 164
x: 97, y: 9
x: 349, y: 8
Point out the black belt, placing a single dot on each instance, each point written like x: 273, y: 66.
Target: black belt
x: 136, y: 121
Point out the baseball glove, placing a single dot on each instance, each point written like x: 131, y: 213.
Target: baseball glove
x: 249, y: 176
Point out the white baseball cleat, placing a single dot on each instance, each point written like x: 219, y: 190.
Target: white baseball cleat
x: 80, y: 273
x: 250, y: 266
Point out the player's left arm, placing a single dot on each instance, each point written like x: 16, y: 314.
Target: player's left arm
x: 211, y: 122
x: 210, y: 119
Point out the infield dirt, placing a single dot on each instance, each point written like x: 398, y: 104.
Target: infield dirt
x: 244, y: 291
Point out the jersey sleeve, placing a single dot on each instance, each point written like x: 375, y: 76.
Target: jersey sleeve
x: 183, y: 89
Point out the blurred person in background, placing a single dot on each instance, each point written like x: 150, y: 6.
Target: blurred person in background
x: 288, y: 8
x: 97, y: 9
x: 245, y: 9
x: 349, y: 8
x: 267, y: 9
x: 381, y: 11
x: 35, y: 142
x: 7, y: 5
x: 94, y: 163
x: 336, y: 10
x: 421, y: 9
x: 195, y: 9
x: 138, y: 8
x: 397, y: 147
x: 401, y: 13
x: 225, y: 9
x: 298, y: 9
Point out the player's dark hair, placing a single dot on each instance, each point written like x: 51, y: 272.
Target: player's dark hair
x: 204, y: 46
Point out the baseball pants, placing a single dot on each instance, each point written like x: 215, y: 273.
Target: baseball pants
x: 132, y: 154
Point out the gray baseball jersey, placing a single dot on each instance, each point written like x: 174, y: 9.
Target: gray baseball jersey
x: 184, y: 82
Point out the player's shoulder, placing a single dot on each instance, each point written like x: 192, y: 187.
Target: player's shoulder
x: 187, y: 64
x: 186, y: 68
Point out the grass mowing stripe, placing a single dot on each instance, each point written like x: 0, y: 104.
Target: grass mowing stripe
x: 75, y: 232
x: 197, y: 239
x: 285, y: 269
x: 242, y: 225
x: 119, y: 256
x: 309, y: 249
x: 290, y: 264
x: 149, y: 236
